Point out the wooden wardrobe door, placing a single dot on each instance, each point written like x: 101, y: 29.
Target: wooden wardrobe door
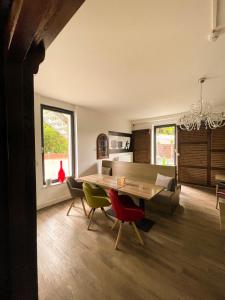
x: 142, y: 145
x: 193, y: 156
x: 217, y: 153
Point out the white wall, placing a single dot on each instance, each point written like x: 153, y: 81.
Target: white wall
x: 88, y: 125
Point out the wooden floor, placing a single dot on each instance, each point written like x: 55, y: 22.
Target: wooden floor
x: 183, y: 256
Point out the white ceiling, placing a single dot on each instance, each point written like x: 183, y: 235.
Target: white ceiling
x: 136, y: 59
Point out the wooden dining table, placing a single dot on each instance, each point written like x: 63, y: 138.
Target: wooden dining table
x: 142, y: 191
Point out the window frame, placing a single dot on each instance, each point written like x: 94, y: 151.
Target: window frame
x: 175, y: 144
x: 65, y: 111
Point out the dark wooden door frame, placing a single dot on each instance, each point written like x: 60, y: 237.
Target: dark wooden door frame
x: 27, y: 29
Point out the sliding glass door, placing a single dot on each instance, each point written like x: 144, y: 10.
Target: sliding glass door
x: 165, y: 145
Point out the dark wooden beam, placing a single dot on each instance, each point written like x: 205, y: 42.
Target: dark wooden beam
x: 4, y: 220
x: 35, y: 21
x: 22, y: 178
x: 26, y: 30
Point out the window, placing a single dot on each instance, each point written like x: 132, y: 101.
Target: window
x: 57, y: 142
x: 165, y: 145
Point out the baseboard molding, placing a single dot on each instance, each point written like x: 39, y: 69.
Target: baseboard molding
x: 52, y: 202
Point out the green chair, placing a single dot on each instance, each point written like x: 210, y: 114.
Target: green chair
x: 96, y: 198
x: 97, y: 190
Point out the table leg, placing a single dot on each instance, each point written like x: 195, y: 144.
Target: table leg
x: 142, y: 204
x: 144, y: 224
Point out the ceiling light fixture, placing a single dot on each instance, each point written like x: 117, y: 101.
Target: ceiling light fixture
x: 213, y: 36
x: 201, y: 114
x: 218, y: 20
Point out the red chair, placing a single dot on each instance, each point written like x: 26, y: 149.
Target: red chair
x: 220, y: 192
x: 125, y: 211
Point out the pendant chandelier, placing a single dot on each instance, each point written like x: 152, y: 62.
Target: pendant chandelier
x: 201, y: 114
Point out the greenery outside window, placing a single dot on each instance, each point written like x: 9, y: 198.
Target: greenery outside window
x: 57, y: 127
x: 165, y: 145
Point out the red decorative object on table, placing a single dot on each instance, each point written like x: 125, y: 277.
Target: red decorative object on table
x: 61, y: 173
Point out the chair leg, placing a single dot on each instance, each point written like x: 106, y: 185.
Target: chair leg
x: 71, y: 205
x: 89, y: 213
x: 217, y: 198
x: 137, y: 233
x: 119, y: 235
x: 114, y: 224
x: 82, y: 201
x: 92, y: 214
x: 107, y: 216
x: 217, y: 201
